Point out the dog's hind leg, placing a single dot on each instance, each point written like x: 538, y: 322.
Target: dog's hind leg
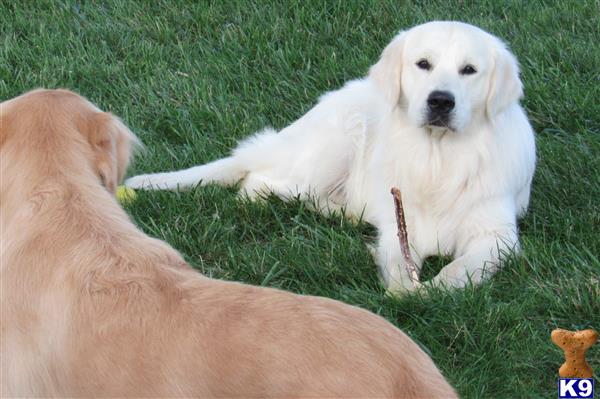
x: 226, y: 171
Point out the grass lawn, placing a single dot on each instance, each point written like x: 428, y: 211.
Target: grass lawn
x: 192, y: 78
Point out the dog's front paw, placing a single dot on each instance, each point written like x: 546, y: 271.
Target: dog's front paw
x: 400, y: 289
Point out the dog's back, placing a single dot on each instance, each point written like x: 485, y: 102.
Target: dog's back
x: 93, y: 307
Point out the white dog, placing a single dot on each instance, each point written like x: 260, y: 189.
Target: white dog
x: 439, y: 117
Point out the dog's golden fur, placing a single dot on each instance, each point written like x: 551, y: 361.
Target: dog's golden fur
x: 91, y: 306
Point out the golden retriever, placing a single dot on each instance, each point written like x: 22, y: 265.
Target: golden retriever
x: 438, y: 116
x: 91, y: 306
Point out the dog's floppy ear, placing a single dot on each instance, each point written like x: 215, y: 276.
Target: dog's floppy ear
x: 111, y: 143
x: 386, y: 73
x: 505, y: 85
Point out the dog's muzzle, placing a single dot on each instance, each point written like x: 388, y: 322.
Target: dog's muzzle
x: 439, y: 108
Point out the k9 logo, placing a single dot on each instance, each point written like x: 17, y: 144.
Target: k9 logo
x: 576, y: 388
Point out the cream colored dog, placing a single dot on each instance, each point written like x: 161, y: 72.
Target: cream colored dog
x: 438, y: 117
x: 92, y: 307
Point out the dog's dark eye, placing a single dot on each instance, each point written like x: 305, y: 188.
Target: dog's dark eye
x: 424, y: 64
x: 468, y: 70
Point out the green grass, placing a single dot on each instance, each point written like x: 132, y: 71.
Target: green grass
x: 192, y: 78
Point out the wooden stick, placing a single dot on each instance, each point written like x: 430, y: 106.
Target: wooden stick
x: 411, y: 266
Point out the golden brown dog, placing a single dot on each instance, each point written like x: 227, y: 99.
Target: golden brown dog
x: 93, y: 307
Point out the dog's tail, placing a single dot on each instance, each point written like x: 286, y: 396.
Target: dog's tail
x: 226, y: 171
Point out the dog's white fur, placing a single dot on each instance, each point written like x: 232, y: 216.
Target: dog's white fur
x: 463, y: 185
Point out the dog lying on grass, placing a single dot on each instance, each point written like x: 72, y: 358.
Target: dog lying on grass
x: 91, y: 306
x: 438, y: 116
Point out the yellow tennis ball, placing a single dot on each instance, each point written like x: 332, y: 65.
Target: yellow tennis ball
x: 125, y: 195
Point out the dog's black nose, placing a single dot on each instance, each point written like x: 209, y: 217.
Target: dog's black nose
x: 440, y: 101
